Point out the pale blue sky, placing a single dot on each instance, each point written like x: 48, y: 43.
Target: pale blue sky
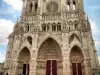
x: 10, y: 10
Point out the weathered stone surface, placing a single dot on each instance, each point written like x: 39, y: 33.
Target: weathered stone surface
x: 51, y: 30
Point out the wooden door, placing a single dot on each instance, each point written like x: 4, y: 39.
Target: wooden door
x: 48, y: 67
x: 54, y: 67
x: 28, y: 69
x: 51, y: 67
x: 74, y: 69
x: 79, y: 67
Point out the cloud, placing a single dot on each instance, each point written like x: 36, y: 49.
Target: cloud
x: 16, y: 4
x: 6, y: 27
x: 97, y: 43
x: 95, y: 31
x: 96, y: 36
x: 0, y: 54
x: 2, y: 57
x: 94, y: 27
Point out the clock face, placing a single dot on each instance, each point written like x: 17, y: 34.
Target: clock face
x: 52, y: 6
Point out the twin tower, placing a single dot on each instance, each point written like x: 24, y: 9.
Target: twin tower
x: 52, y: 37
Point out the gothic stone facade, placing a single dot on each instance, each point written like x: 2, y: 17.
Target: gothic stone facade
x: 52, y: 37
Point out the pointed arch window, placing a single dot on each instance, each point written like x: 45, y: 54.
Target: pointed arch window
x: 31, y: 7
x: 27, y: 28
x: 36, y: 6
x: 59, y: 27
x: 44, y: 27
x: 53, y: 27
x: 76, y: 25
x: 74, y: 5
x: 68, y: 5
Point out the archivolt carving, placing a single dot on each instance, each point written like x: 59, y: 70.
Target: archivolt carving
x: 25, y: 44
x: 76, y: 55
x: 50, y: 35
x: 79, y: 47
x: 74, y: 38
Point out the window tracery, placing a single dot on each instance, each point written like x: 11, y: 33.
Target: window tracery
x: 51, y: 26
x: 52, y: 6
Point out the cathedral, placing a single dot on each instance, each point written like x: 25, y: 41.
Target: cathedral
x: 52, y: 37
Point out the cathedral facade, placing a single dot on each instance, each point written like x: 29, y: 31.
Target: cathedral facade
x: 52, y: 37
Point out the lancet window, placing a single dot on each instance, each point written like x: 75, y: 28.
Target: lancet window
x: 71, y: 5
x: 53, y: 27
x: 74, y: 5
x: 36, y: 6
x: 59, y: 27
x: 68, y: 5
x: 44, y: 27
x: 27, y: 28
x: 76, y: 25
x: 31, y: 7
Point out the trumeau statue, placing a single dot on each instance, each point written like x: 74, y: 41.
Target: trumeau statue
x: 52, y: 37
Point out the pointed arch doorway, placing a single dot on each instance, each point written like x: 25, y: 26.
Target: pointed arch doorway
x: 23, y: 62
x: 49, y: 59
x: 77, y: 61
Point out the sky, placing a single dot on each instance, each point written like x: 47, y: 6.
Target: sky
x: 10, y: 11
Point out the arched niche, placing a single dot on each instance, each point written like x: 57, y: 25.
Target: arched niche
x: 49, y: 52
x: 77, y: 61
x: 23, y: 61
x: 74, y: 37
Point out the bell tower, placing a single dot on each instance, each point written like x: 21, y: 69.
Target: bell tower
x: 52, y: 37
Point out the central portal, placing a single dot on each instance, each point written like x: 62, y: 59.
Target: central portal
x: 49, y: 60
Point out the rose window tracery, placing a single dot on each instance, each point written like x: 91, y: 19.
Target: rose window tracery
x: 52, y: 7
